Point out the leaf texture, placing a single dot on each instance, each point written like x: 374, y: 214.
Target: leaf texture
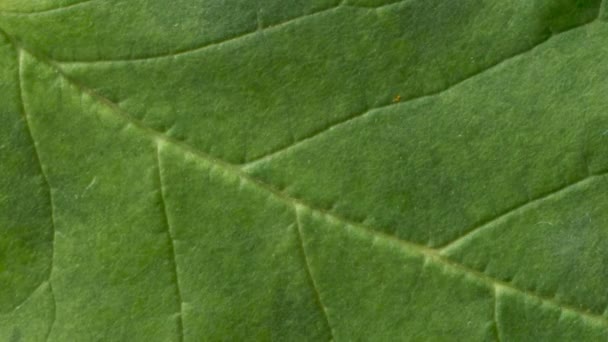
x: 303, y: 170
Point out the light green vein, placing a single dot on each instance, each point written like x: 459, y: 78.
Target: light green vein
x: 53, y: 10
x: 496, y: 325
x: 48, y: 186
x: 374, y: 111
x: 197, y: 49
x: 192, y: 50
x: 171, y: 247
x: 313, y: 283
x: 471, y: 233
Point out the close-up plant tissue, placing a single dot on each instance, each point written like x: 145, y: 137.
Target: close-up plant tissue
x: 303, y: 170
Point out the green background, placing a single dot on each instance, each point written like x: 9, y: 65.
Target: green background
x: 358, y: 170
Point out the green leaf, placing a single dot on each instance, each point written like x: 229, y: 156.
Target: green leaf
x: 381, y: 170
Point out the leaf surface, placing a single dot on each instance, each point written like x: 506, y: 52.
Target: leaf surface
x: 303, y: 170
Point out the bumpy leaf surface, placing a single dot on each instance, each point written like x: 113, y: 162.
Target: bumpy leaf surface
x: 374, y: 170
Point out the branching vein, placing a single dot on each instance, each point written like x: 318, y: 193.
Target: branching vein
x: 372, y: 111
x: 171, y: 245
x: 374, y: 7
x: 313, y: 284
x: 53, y: 10
x: 437, y: 258
x: 21, y: 95
x: 515, y: 210
x: 54, y: 317
x: 191, y: 50
x: 216, y: 43
x: 496, y: 324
